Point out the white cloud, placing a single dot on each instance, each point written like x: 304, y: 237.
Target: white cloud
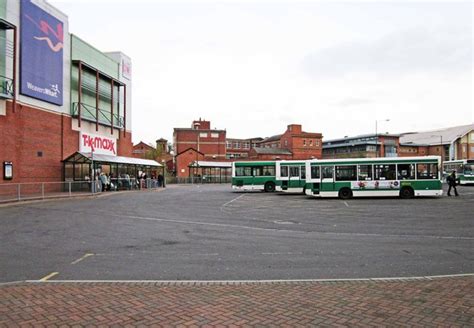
x: 254, y: 67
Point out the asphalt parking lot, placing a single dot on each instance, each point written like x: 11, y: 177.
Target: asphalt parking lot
x: 207, y: 232
x: 192, y: 256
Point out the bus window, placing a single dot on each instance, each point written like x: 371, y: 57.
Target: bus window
x: 283, y: 171
x: 406, y: 171
x: 294, y: 171
x: 365, y: 173
x: 303, y: 172
x: 269, y: 170
x: 468, y: 168
x: 427, y: 171
x: 315, y: 172
x: 346, y: 173
x: 243, y: 171
x: 385, y: 172
x: 257, y: 171
x: 327, y: 172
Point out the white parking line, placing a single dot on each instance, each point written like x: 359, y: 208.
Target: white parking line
x: 233, y: 200
x: 82, y: 258
x: 52, y: 274
x: 238, y: 282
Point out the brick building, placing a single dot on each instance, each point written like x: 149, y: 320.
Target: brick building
x: 57, y: 98
x: 142, y: 150
x: 294, y: 143
x: 240, y: 148
x: 199, y: 142
x: 160, y: 153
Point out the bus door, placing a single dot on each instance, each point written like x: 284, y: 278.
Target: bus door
x: 284, y: 177
x: 315, y: 178
x: 327, y: 178
x: 294, y: 180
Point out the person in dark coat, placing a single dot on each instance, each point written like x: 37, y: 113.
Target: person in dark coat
x: 451, y: 179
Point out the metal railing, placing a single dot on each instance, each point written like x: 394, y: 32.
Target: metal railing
x: 199, y: 180
x: 12, y: 192
x: 88, y: 113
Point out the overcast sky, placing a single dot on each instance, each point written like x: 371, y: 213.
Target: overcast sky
x: 253, y: 67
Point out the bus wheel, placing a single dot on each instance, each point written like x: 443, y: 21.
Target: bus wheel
x: 345, y: 193
x: 269, y: 187
x: 407, y: 192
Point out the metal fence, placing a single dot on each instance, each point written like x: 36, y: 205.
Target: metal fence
x: 199, y: 180
x: 11, y: 192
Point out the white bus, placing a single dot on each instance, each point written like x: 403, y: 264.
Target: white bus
x: 464, y: 170
x: 405, y: 177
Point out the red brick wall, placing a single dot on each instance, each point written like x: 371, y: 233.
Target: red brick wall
x: 184, y: 159
x: 186, y: 139
x: 29, y: 131
x: 302, y: 151
x: 125, y: 145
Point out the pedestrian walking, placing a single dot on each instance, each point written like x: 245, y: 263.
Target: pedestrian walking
x: 451, y: 179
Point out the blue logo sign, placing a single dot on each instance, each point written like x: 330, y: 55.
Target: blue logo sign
x: 42, y: 42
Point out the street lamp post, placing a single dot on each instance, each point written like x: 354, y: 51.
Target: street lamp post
x: 377, y: 137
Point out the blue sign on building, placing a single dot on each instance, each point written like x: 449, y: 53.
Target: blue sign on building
x: 42, y: 42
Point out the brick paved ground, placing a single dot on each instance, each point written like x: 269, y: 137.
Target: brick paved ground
x: 423, y: 302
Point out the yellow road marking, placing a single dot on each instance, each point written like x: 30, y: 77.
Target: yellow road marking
x: 52, y: 274
x: 82, y: 258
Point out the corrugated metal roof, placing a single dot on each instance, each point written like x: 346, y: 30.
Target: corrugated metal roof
x: 433, y: 137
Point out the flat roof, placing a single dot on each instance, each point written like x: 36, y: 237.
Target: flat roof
x: 211, y: 164
x: 88, y: 157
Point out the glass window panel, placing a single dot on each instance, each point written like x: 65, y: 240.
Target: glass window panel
x: 406, y: 171
x: 294, y: 171
x: 69, y: 171
x: 346, y: 173
x: 327, y: 172
x: 269, y: 170
x: 315, y: 172
x: 283, y: 171
x: 427, y: 171
x: 303, y: 172
x: 385, y: 172
x: 365, y: 173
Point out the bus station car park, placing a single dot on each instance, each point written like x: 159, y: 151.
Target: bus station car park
x: 208, y: 232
